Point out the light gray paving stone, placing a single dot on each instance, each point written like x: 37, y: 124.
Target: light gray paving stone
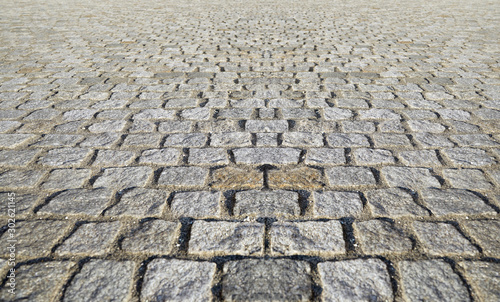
x: 38, y: 282
x: 113, y: 158
x: 432, y: 141
x: 154, y: 114
x: 142, y: 140
x: 66, y: 179
x: 419, y: 158
x: 183, y: 176
x: 178, y: 280
x: 108, y: 126
x: 17, y: 202
x: 379, y: 114
x: 297, y: 113
x: 365, y: 156
x: 393, y: 202
x: 140, y: 202
x: 302, y: 139
x: 122, y: 178
x: 485, y: 232
x: 266, y: 155
x: 103, y: 140
x: 348, y: 140
x: 153, y: 236
x: 350, y: 177
x: 57, y: 140
x: 198, y: 114
x: 393, y: 126
x: 378, y: 237
x: 425, y: 126
x: 166, y: 156
x: 330, y: 204
x: 475, y: 140
x: 454, y: 114
x: 260, y: 280
x: 226, y: 238
x: 276, y: 203
x: 443, y: 239
x: 231, y: 139
x: 185, y: 140
x: 391, y: 140
x: 236, y: 113
x: 467, y: 179
x: 65, y: 157
x: 355, y: 280
x: 325, y: 156
x: 267, y: 139
x: 90, y: 239
x: 310, y: 237
x: 431, y: 280
x: 358, y: 126
x: 411, y: 178
x: 20, y: 179
x: 28, y: 239
x: 266, y: 126
x: 6, y: 126
x: 79, y: 114
x: 198, y: 204
x: 468, y: 157
x: 175, y: 127
x: 454, y: 201
x: 78, y: 201
x: 102, y: 280
x: 336, y: 114
x: 484, y: 278
x: 209, y: 156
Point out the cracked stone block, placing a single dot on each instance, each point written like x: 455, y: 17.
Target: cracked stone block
x: 102, y: 280
x: 38, y: 282
x: 178, y: 280
x: 266, y: 155
x: 366, y: 156
x: 35, y: 238
x: 183, y: 176
x: 175, y: 127
x: 262, y: 280
x: 276, y: 126
x: 66, y: 179
x: 454, y: 201
x: 325, y: 156
x: 331, y: 204
x: 348, y: 140
x: 412, y: 178
x: 468, y: 157
x: 229, y: 178
x: 381, y: 237
x: 140, y: 202
x: 11, y: 141
x: 23, y: 203
x: 431, y: 280
x: 350, y: 176
x: 485, y: 232
x: 231, y: 139
x: 18, y: 179
x: 160, y: 156
x: 90, y: 239
x: 153, y: 236
x: 103, y: 140
x: 17, y: 158
x: 122, y: 178
x: 107, y: 126
x: 209, y: 156
x: 185, y: 140
x: 65, y: 157
x: 443, y: 239
x: 310, y: 237
x: 484, y: 278
x: 301, y: 178
x: 223, y: 238
x: 113, y: 158
x: 391, y: 140
x: 426, y: 158
x: 78, y: 201
x: 355, y: 280
x: 200, y: 204
x: 393, y: 202
x: 467, y: 179
x: 302, y: 139
x: 275, y: 203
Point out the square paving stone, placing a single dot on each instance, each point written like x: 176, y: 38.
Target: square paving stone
x: 200, y: 204
x: 443, y: 239
x: 113, y: 158
x: 431, y: 280
x: 65, y: 157
x: 350, y: 177
x: 35, y: 238
x: 17, y: 158
x: 102, y: 280
x: 183, y: 176
x: 90, y: 239
x: 412, y: 178
x: 484, y: 278
x: 18, y: 179
x: 310, y: 237
x: 78, y: 201
x: 467, y: 179
x: 355, y: 280
x: 393, y: 202
x: 325, y: 156
x: 332, y: 204
x: 66, y: 179
x: 253, y: 156
x: 122, y: 178
x: 160, y: 156
x: 140, y: 202
x: 485, y: 232
x: 38, y: 282
x: 276, y: 280
x: 381, y: 237
x: 454, y: 201
x: 178, y: 280
x: 153, y: 236
x: 223, y: 238
x: 275, y: 203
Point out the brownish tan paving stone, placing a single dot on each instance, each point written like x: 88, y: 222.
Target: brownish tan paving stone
x: 303, y: 178
x: 230, y: 178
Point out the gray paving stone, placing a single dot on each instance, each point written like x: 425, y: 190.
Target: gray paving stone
x: 183, y: 176
x: 350, y: 176
x: 199, y: 204
x: 266, y: 155
x: 113, y: 158
x: 307, y: 238
x: 393, y: 202
x: 454, y: 201
x: 154, y: 114
x: 166, y: 156
x: 12, y: 141
x: 19, y: 179
x: 412, y: 178
x: 266, y: 126
x: 178, y: 280
x: 209, y: 156
x: 23, y: 203
x: 355, y: 280
x: 122, y: 178
x: 276, y: 203
x: 231, y: 139
x: 65, y: 157
x: 426, y: 126
x: 391, y: 140
x: 185, y: 140
x: 366, y: 156
x: 337, y: 114
x: 78, y: 201
x: 267, y: 139
x: 90, y: 239
x: 302, y: 139
x: 331, y: 204
x: 260, y: 280
x: 381, y: 237
x: 226, y: 238
x: 467, y: 178
x: 325, y: 156
x: 153, y: 236
x: 175, y: 127
x: 108, y: 126
x: 348, y: 140
x: 468, y: 157
x: 443, y: 239
x: 485, y: 233
x: 142, y: 140
x: 419, y: 158
x: 103, y: 140
x: 432, y: 141
x: 140, y: 202
x: 431, y: 280
x: 66, y: 179
x: 474, y: 140
x: 102, y: 280
x: 484, y: 277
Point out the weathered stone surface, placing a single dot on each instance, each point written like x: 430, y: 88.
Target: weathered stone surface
x: 454, y: 201
x: 17, y: 158
x: 393, y: 202
x: 153, y: 236
x: 12, y: 141
x: 412, y: 178
x: 484, y: 278
x: 65, y: 157
x: 178, y: 280
x: 348, y: 140
x: 443, y: 239
x: 468, y: 157
x: 366, y: 156
x: 19, y: 179
x: 78, y: 201
x: 230, y: 178
x: 198, y: 204
x: 102, y: 280
x: 432, y: 280
x: 266, y: 155
x: 330, y: 204
x: 262, y: 280
x: 185, y: 140
x: 485, y: 232
x: 325, y: 156
x: 160, y: 156
x: 122, y: 178
x: 275, y: 203
x: 90, y: 239
x: 183, y: 176
x: 140, y: 202
x: 467, y: 179
x: 208, y: 156
x: 304, y: 178
x: 231, y: 139
x: 381, y: 237
x: 350, y: 177
x: 113, y: 158
x: 355, y: 280
x: 419, y: 158
x: 302, y: 139
x: 66, y: 179
x: 266, y: 126
x: 23, y: 203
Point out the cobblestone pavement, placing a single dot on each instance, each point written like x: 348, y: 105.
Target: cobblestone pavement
x: 250, y: 151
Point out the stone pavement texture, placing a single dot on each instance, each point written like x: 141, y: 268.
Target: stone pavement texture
x: 250, y: 150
